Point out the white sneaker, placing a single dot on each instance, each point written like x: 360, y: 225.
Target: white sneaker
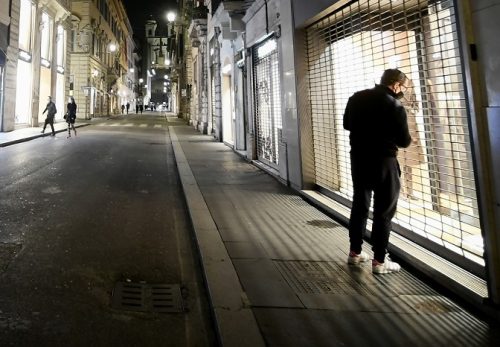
x: 355, y: 259
x: 386, y: 267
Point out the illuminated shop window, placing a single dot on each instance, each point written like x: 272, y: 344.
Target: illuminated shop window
x: 267, y: 101
x: 23, y: 95
x: 26, y: 25
x: 61, y: 49
x: 348, y: 51
x: 46, y: 30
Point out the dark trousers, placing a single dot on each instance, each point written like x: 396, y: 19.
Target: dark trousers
x: 51, y: 122
x: 380, y: 176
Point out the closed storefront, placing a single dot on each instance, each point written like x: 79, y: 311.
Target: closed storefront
x: 267, y: 101
x: 347, y: 51
x: 213, y: 104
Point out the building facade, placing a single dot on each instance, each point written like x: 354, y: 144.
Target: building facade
x: 4, y: 34
x: 62, y: 48
x: 36, y: 58
x: 272, y: 78
x: 160, y: 68
x: 102, y: 57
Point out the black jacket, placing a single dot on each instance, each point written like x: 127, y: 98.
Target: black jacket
x: 71, y: 109
x: 377, y: 123
x: 50, y: 109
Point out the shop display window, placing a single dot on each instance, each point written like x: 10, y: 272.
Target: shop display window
x: 347, y: 52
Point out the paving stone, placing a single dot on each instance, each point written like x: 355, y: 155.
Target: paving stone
x: 264, y: 284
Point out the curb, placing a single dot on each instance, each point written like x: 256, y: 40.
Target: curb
x: 235, y: 322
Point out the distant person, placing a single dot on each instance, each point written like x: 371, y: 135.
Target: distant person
x: 123, y: 109
x: 136, y: 108
x: 71, y: 115
x: 141, y: 107
x: 51, y: 112
x: 128, y: 106
x: 378, y: 125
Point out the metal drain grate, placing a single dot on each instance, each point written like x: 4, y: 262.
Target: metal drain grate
x: 143, y: 297
x: 318, y: 277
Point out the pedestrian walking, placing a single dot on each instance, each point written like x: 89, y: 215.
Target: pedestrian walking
x: 378, y: 126
x: 128, y: 106
x: 123, y: 109
x: 71, y: 115
x: 51, y: 112
x: 136, y: 108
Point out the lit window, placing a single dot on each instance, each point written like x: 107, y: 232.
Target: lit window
x: 61, y: 45
x: 25, y: 25
x: 45, y: 33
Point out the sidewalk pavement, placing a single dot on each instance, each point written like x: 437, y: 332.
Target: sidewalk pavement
x: 275, y: 266
x: 27, y: 134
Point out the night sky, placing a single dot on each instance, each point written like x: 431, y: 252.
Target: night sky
x: 141, y: 10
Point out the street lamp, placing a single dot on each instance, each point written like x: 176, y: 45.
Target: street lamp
x: 141, y: 80
x: 171, y: 16
x: 112, y: 47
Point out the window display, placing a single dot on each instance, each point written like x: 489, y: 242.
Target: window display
x: 347, y: 52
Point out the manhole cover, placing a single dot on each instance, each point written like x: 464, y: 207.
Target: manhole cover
x: 143, y: 297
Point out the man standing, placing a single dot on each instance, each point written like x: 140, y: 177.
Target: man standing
x: 378, y: 126
x: 128, y: 106
x: 51, y: 112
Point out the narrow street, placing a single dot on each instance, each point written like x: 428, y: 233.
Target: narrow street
x: 78, y: 216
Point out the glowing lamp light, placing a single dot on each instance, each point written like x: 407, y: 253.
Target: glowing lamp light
x: 112, y: 47
x: 171, y: 16
x: 167, y: 61
x: 25, y: 56
x: 45, y: 62
x: 266, y: 48
x: 141, y: 80
x: 226, y: 69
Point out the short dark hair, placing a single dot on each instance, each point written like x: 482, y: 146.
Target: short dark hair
x: 391, y: 76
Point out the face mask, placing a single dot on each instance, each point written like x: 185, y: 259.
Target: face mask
x: 399, y: 95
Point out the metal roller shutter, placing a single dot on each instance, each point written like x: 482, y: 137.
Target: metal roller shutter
x: 212, y: 94
x: 347, y: 51
x: 267, y: 98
